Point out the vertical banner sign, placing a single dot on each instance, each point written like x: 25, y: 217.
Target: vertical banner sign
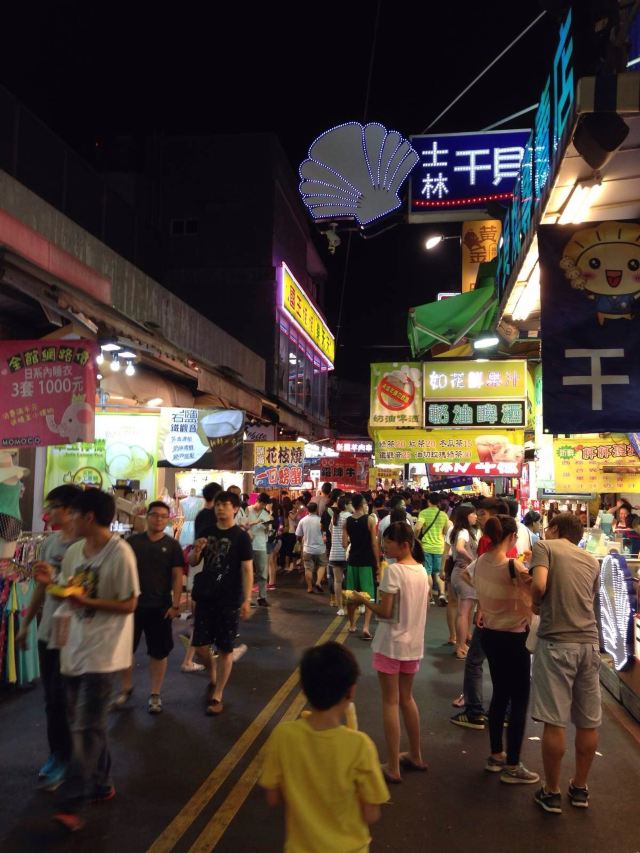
x: 480, y: 240
x: 278, y: 464
x: 590, y: 296
x: 396, y: 395
x: 47, y: 392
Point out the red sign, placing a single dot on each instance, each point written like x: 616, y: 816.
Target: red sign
x: 396, y: 397
x: 346, y: 471
x: 47, y: 392
x: 475, y: 469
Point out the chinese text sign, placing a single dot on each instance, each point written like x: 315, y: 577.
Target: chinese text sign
x: 415, y: 445
x: 278, y: 464
x: 396, y: 395
x: 297, y: 305
x: 47, y: 392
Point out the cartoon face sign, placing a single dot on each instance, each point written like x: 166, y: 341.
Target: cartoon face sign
x: 604, y: 262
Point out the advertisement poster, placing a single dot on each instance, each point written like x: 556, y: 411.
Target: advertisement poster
x: 124, y: 449
x: 415, y: 445
x: 590, y: 326
x: 595, y: 464
x: 201, y: 438
x: 346, y: 470
x: 47, y: 392
x: 396, y: 395
x: 279, y: 464
x: 476, y: 469
x: 479, y: 244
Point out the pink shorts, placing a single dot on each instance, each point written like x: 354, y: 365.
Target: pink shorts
x: 391, y: 666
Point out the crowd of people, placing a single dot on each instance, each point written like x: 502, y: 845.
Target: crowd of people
x: 508, y: 593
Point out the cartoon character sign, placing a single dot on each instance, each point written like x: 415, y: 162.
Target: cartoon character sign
x: 604, y: 262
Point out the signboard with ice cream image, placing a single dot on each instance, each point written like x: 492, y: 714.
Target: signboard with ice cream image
x: 201, y: 438
x: 396, y: 395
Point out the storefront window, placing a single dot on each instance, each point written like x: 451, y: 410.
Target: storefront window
x: 302, y: 378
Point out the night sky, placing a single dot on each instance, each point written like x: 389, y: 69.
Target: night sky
x: 91, y: 71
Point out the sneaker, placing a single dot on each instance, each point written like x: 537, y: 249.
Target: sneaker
x: 71, y: 822
x: 494, y: 765
x: 578, y: 797
x: 271, y: 587
x: 55, y: 777
x: 519, y: 776
x: 466, y: 722
x: 121, y: 700
x: 341, y: 612
x: 263, y: 602
x: 442, y: 600
x: 103, y: 795
x: 550, y: 802
x: 47, y: 767
x: 154, y: 705
x: 192, y: 667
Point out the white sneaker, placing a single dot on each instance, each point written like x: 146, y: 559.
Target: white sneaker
x: 191, y: 667
x: 239, y: 651
x: 341, y: 612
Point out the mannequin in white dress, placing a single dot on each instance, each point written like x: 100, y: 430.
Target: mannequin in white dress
x: 189, y: 507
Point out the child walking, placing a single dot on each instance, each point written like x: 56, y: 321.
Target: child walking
x: 398, y: 645
x: 316, y: 765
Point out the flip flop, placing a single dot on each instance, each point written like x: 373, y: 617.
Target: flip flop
x: 216, y: 707
x: 392, y: 780
x: 366, y: 637
x: 352, y: 630
x: 408, y: 764
x: 459, y: 656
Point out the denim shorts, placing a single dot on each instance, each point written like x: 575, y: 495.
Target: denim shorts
x: 566, y: 684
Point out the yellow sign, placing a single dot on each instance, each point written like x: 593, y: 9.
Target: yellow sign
x: 297, y: 305
x: 469, y: 445
x: 595, y: 464
x: 475, y: 380
x: 480, y: 240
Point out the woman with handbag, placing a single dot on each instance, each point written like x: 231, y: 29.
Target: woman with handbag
x: 398, y: 645
x: 502, y: 585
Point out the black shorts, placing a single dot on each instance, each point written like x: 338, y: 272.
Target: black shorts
x: 288, y: 544
x: 215, y: 626
x: 150, y: 621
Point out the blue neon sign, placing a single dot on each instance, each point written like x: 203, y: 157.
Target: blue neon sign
x: 541, y: 158
x: 465, y: 171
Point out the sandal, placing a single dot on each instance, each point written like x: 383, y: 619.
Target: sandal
x: 215, y: 707
x: 408, y: 764
x: 460, y: 655
x: 366, y: 636
x: 210, y: 691
x: 392, y: 780
x: 353, y: 630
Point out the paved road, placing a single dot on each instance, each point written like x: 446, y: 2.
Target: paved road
x: 185, y: 781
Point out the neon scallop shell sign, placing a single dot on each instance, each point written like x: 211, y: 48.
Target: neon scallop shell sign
x: 356, y: 171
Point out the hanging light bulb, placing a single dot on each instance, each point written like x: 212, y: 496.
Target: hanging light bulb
x: 100, y: 357
x: 115, y: 363
x: 130, y: 369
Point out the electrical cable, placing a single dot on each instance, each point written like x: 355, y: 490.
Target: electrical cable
x: 484, y: 71
x: 508, y: 118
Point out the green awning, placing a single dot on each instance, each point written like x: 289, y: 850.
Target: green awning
x: 450, y: 320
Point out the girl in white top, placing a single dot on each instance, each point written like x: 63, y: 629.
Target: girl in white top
x: 398, y: 645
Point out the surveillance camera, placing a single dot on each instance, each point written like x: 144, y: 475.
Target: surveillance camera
x: 332, y: 238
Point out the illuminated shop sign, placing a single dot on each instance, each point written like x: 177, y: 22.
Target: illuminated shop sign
x: 475, y: 469
x: 511, y: 413
x: 454, y: 445
x: 474, y: 380
x: 543, y: 150
x: 298, y: 307
x: 357, y: 446
x: 465, y: 171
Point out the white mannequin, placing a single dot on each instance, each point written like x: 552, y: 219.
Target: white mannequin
x: 189, y: 508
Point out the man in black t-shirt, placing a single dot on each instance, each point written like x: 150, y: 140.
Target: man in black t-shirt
x: 160, y: 571
x: 206, y: 518
x: 222, y: 592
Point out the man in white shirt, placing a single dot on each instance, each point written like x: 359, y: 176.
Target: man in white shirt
x: 99, y: 643
x: 314, y: 548
x: 257, y: 525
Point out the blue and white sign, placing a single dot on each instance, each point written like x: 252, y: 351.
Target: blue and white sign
x: 542, y: 157
x: 465, y: 171
x: 590, y: 327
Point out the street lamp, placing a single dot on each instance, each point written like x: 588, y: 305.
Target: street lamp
x: 436, y: 239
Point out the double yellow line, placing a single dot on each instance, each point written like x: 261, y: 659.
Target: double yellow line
x: 216, y: 827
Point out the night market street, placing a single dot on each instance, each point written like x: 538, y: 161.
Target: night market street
x: 186, y: 782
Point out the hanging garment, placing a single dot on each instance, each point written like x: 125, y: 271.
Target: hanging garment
x: 28, y: 665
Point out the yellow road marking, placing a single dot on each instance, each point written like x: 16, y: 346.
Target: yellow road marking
x: 217, y: 826
x: 167, y: 840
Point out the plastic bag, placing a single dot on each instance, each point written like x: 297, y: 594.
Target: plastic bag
x: 60, y: 626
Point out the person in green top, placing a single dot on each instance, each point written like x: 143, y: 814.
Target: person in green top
x: 430, y: 529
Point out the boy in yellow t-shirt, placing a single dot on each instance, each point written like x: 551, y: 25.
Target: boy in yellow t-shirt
x: 327, y: 775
